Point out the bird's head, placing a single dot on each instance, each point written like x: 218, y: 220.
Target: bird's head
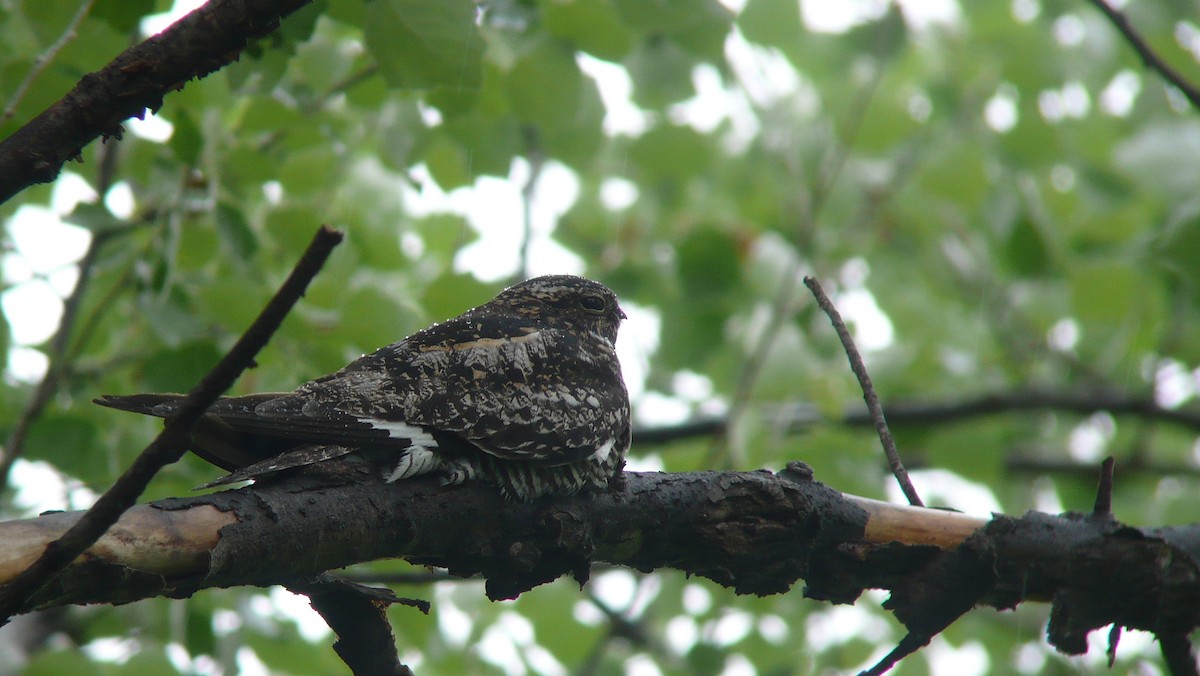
x: 567, y: 300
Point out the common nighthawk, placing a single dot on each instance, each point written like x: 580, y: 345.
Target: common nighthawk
x: 524, y: 391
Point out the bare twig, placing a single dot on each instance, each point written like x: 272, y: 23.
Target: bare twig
x: 172, y: 443
x: 44, y: 59
x: 800, y: 416
x: 869, y: 395
x: 59, y: 356
x: 1149, y: 57
x: 1114, y: 639
x: 1038, y: 462
x: 536, y: 162
x: 910, y: 644
x: 1104, y: 491
x: 787, y: 286
x: 367, y: 72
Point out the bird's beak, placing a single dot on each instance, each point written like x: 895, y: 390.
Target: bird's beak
x: 621, y: 313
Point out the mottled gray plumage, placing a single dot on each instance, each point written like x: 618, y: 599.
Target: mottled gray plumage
x: 524, y: 391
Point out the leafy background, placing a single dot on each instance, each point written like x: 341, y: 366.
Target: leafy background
x: 997, y: 195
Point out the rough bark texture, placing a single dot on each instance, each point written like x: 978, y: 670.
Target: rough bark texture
x: 138, y: 79
x: 753, y: 531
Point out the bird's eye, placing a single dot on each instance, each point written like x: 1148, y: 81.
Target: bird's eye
x: 592, y: 303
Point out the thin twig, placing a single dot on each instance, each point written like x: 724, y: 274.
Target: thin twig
x: 173, y: 441
x: 787, y: 287
x: 59, y: 358
x: 1114, y: 639
x: 869, y: 395
x: 1104, y: 492
x: 536, y: 161
x: 795, y: 417
x: 908, y: 645
x: 1149, y: 57
x: 339, y: 87
x: 44, y: 59
x: 1037, y: 462
x: 14, y: 446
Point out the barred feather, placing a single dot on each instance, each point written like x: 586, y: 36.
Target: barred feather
x: 524, y: 391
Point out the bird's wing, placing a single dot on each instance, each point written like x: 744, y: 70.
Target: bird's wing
x: 515, y: 390
x: 240, y: 417
x: 297, y: 457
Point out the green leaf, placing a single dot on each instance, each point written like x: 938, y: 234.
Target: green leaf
x: 593, y: 26
x: 372, y: 319
x: 69, y: 442
x: 58, y: 662
x: 447, y: 163
x: 1026, y: 248
x: 884, y: 37
x: 92, y: 216
x: 451, y: 294
x: 706, y: 32
x: 444, y: 235
x: 186, y: 141
x: 180, y: 369
x: 578, y: 144
x: 661, y: 73
x: 198, y: 247
x: 670, y: 152
x: 1104, y: 292
x: 235, y: 231
x: 425, y: 43
x: 489, y: 142
x: 705, y: 658
x: 309, y: 171
x: 544, y: 86
x: 258, y: 70
x: 1164, y: 158
x: 1177, y: 248
x: 123, y: 15
x: 772, y: 22
x: 173, y: 323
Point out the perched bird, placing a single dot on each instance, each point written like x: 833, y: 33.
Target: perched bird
x: 524, y: 391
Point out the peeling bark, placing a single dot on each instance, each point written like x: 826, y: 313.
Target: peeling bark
x: 756, y: 532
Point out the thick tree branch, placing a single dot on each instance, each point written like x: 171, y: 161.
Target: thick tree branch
x: 138, y: 79
x: 753, y: 531
x: 725, y: 526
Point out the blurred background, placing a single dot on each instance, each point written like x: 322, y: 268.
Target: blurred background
x: 998, y: 196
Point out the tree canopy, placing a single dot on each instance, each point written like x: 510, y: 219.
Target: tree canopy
x: 999, y: 197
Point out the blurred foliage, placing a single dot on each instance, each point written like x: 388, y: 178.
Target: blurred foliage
x: 998, y: 197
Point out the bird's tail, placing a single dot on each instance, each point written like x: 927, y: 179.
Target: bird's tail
x: 212, y: 438
x: 158, y: 405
